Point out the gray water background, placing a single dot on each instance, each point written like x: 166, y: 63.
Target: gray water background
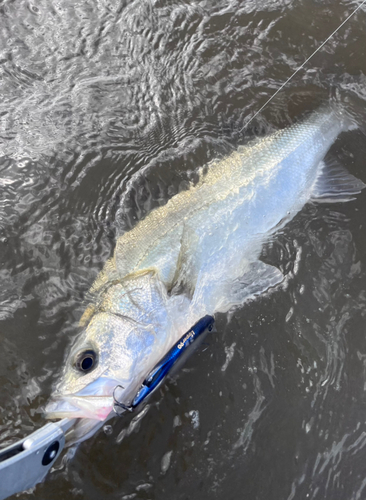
x: 106, y: 111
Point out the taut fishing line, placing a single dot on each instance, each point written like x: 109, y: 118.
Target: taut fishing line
x: 304, y: 63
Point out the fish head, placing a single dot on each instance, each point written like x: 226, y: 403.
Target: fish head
x: 129, y: 331
x: 94, y: 366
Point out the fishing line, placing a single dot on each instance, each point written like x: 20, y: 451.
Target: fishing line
x: 304, y: 63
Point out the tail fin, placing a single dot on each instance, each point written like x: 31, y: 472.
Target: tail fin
x: 350, y: 109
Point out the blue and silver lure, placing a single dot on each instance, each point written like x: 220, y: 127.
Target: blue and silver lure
x: 169, y: 364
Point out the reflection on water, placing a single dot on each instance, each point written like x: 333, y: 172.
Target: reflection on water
x: 106, y: 111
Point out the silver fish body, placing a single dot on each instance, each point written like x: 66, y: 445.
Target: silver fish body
x: 196, y: 255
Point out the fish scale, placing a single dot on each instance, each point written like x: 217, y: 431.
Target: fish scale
x: 226, y: 185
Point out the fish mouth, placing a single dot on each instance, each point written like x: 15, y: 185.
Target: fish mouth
x: 94, y: 401
x: 74, y: 406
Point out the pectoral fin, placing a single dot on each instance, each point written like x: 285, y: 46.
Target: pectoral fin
x: 335, y: 184
x: 187, y: 266
x: 164, y: 256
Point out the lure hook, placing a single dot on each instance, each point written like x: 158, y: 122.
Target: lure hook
x: 117, y: 405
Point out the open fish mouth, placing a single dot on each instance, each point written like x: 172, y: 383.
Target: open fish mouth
x: 74, y: 406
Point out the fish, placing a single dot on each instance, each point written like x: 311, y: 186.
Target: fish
x: 197, y: 255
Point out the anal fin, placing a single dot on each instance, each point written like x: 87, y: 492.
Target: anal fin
x: 334, y: 184
x: 257, y: 279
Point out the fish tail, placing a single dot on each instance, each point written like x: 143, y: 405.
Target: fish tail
x: 345, y: 117
x: 347, y: 108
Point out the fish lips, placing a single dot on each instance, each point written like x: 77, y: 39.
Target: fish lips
x: 95, y: 401
x: 94, y: 407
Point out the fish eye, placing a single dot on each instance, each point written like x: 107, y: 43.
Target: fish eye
x: 86, y: 360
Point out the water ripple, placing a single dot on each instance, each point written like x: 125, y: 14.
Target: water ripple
x: 107, y: 110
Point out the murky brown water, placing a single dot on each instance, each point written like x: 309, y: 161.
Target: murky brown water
x: 106, y: 110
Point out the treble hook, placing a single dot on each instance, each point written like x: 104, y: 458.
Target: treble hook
x: 174, y: 358
x: 117, y: 404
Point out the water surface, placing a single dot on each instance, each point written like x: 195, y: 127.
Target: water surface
x: 106, y: 111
